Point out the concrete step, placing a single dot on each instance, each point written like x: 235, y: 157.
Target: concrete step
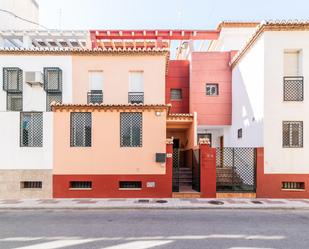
x: 186, y: 195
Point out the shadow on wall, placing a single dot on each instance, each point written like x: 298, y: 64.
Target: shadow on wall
x: 247, y: 114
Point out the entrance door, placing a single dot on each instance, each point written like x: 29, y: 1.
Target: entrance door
x: 176, y: 165
x: 221, y: 149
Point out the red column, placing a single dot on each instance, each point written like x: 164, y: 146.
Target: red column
x: 208, y: 171
x: 259, y: 171
x: 169, y: 165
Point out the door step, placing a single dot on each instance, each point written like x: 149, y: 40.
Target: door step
x: 182, y: 195
x: 236, y: 195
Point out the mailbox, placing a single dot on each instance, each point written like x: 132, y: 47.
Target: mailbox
x: 160, y: 157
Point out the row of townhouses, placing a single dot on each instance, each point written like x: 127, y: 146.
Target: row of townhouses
x: 108, y: 113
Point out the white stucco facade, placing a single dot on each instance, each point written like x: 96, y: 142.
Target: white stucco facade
x: 279, y: 159
x: 34, y: 99
x: 248, y: 100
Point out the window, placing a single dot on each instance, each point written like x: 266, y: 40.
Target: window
x: 130, y: 184
x: 292, y: 134
x: 95, y: 95
x: 80, y: 129
x: 31, y: 129
x: 31, y: 184
x: 212, y: 89
x: 12, y: 79
x: 52, y: 97
x: 136, y: 87
x: 80, y: 185
x: 239, y: 133
x: 292, y: 63
x: 293, y: 88
x: 176, y: 94
x: 131, y: 129
x: 14, y: 101
x: 52, y: 79
x: 293, y: 185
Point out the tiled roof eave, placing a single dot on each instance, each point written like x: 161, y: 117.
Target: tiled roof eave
x: 269, y: 26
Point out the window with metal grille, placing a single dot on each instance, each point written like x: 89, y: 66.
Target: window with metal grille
x: 12, y: 79
x: 31, y: 184
x: 81, y: 184
x: 95, y: 97
x: 176, y: 94
x: 81, y: 129
x: 31, y: 129
x: 293, y: 88
x: 14, y: 101
x: 130, y: 184
x: 131, y: 129
x: 239, y: 133
x: 212, y: 89
x: 292, y: 134
x: 52, y: 79
x: 52, y: 97
x: 293, y: 185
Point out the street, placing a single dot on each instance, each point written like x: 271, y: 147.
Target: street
x: 143, y: 229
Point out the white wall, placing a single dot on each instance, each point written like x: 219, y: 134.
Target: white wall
x: 34, y: 98
x: 247, y: 100
x: 15, y: 157
x: 278, y: 159
x: 232, y: 39
x: 27, y: 9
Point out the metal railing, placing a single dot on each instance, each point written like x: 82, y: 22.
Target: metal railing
x: 293, y: 88
x: 136, y: 97
x: 236, y: 169
x: 95, y: 97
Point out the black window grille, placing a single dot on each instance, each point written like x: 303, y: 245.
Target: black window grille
x: 130, y: 184
x: 81, y: 129
x: 52, y: 97
x: 136, y: 97
x: 95, y: 97
x: 212, y: 89
x: 14, y: 101
x: 292, y: 134
x: 12, y: 79
x: 31, y: 129
x: 52, y: 79
x: 176, y: 94
x: 81, y: 184
x: 293, y: 88
x: 31, y: 184
x: 131, y: 129
x: 293, y: 185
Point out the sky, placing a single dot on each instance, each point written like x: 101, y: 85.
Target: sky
x: 164, y: 14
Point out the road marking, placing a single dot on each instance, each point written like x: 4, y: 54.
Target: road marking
x: 250, y: 248
x: 57, y: 244
x: 265, y: 237
x: 140, y: 244
x: 21, y: 239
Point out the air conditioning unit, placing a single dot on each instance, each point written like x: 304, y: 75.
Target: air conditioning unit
x: 34, y: 78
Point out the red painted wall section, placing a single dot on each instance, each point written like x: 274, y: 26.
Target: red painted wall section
x: 211, y: 67
x: 178, y: 78
x: 107, y: 186
x: 269, y: 185
x: 207, y: 171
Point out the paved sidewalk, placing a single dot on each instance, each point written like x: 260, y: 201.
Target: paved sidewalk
x: 149, y: 203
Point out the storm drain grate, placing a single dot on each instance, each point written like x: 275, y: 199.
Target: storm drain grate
x: 161, y: 201
x: 216, y: 202
x: 257, y: 202
x: 143, y: 201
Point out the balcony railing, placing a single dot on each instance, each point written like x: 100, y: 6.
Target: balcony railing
x: 293, y: 88
x: 136, y: 97
x: 95, y: 97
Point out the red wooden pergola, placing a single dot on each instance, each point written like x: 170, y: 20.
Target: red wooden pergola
x: 147, y: 38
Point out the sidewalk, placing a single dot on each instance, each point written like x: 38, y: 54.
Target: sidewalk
x: 148, y: 203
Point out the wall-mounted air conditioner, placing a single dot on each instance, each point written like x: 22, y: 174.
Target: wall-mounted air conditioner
x: 34, y: 78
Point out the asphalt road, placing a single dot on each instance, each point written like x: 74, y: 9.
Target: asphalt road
x: 143, y: 229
